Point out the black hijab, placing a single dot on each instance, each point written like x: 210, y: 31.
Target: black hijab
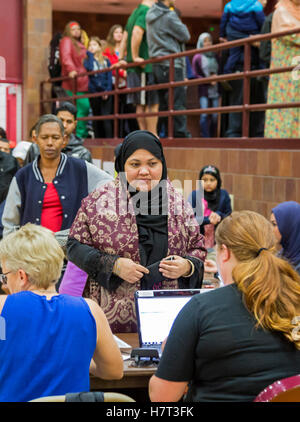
x: 151, y: 208
x: 212, y: 198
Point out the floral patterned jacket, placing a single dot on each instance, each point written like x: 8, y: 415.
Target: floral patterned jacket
x: 105, y: 229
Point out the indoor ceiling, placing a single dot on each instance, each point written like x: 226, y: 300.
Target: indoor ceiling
x: 188, y: 8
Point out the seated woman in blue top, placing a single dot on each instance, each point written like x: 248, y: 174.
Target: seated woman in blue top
x: 211, y: 207
x: 99, y: 82
x: 285, y: 218
x: 49, y: 343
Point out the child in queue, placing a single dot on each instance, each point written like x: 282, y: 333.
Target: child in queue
x: 215, y: 204
x: 99, y: 82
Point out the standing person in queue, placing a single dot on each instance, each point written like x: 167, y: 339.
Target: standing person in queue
x: 49, y: 191
x: 134, y: 49
x: 285, y: 218
x: 72, y: 54
x: 112, y: 52
x: 284, y: 86
x: 4, y: 145
x: 67, y: 113
x: 205, y: 65
x: 124, y: 231
x: 8, y: 168
x: 167, y: 34
x: 230, y: 343
x: 99, y: 82
x: 52, y: 342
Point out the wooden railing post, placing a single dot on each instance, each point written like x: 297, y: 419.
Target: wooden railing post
x: 246, y: 90
x: 171, y: 99
x: 245, y: 108
x: 41, y: 98
x: 116, y: 106
x: 74, y: 90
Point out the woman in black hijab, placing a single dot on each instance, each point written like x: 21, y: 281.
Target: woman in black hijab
x: 217, y: 203
x: 127, y: 249
x: 151, y: 206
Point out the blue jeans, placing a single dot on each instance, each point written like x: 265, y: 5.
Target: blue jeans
x: 208, y: 131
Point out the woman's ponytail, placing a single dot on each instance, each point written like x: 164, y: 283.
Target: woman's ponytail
x: 270, y: 286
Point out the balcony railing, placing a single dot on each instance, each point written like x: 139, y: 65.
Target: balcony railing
x: 246, y: 108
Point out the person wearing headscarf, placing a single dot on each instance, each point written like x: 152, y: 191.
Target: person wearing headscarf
x: 204, y: 65
x: 284, y: 87
x: 124, y: 232
x: 285, y: 218
x: 210, y: 202
x: 20, y: 151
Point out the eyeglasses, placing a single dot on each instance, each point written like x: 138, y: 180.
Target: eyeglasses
x: 3, y: 278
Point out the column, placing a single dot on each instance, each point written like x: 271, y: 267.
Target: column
x: 37, y: 34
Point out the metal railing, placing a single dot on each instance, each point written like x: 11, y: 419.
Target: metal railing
x: 246, y: 108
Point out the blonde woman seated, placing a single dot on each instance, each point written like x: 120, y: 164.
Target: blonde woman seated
x: 230, y: 343
x: 49, y: 342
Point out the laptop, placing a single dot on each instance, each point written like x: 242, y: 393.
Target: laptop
x: 156, y: 311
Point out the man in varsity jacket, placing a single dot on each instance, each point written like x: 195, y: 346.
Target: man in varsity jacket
x: 49, y: 190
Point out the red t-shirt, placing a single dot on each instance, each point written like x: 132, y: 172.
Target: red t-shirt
x: 52, y: 212
x: 113, y: 58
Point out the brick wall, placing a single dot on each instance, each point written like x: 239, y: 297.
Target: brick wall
x: 258, y: 179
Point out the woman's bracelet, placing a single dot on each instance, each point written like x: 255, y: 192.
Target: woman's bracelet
x: 116, y: 267
x: 192, y: 269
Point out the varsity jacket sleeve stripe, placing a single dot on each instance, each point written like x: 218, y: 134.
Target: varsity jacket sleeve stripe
x: 11, y: 214
x: 96, y: 177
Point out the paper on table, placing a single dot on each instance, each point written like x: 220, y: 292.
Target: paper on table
x: 126, y: 356
x: 122, y: 345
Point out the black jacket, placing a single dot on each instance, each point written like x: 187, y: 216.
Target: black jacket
x: 8, y: 167
x: 74, y: 148
x: 265, y: 46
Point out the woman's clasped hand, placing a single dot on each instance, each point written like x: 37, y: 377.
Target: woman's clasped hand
x: 175, y: 267
x: 128, y: 270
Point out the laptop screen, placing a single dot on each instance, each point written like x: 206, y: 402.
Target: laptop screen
x: 157, y: 310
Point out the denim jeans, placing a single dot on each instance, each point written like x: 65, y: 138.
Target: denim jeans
x: 208, y: 131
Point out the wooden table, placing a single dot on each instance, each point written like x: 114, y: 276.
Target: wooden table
x: 134, y: 376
